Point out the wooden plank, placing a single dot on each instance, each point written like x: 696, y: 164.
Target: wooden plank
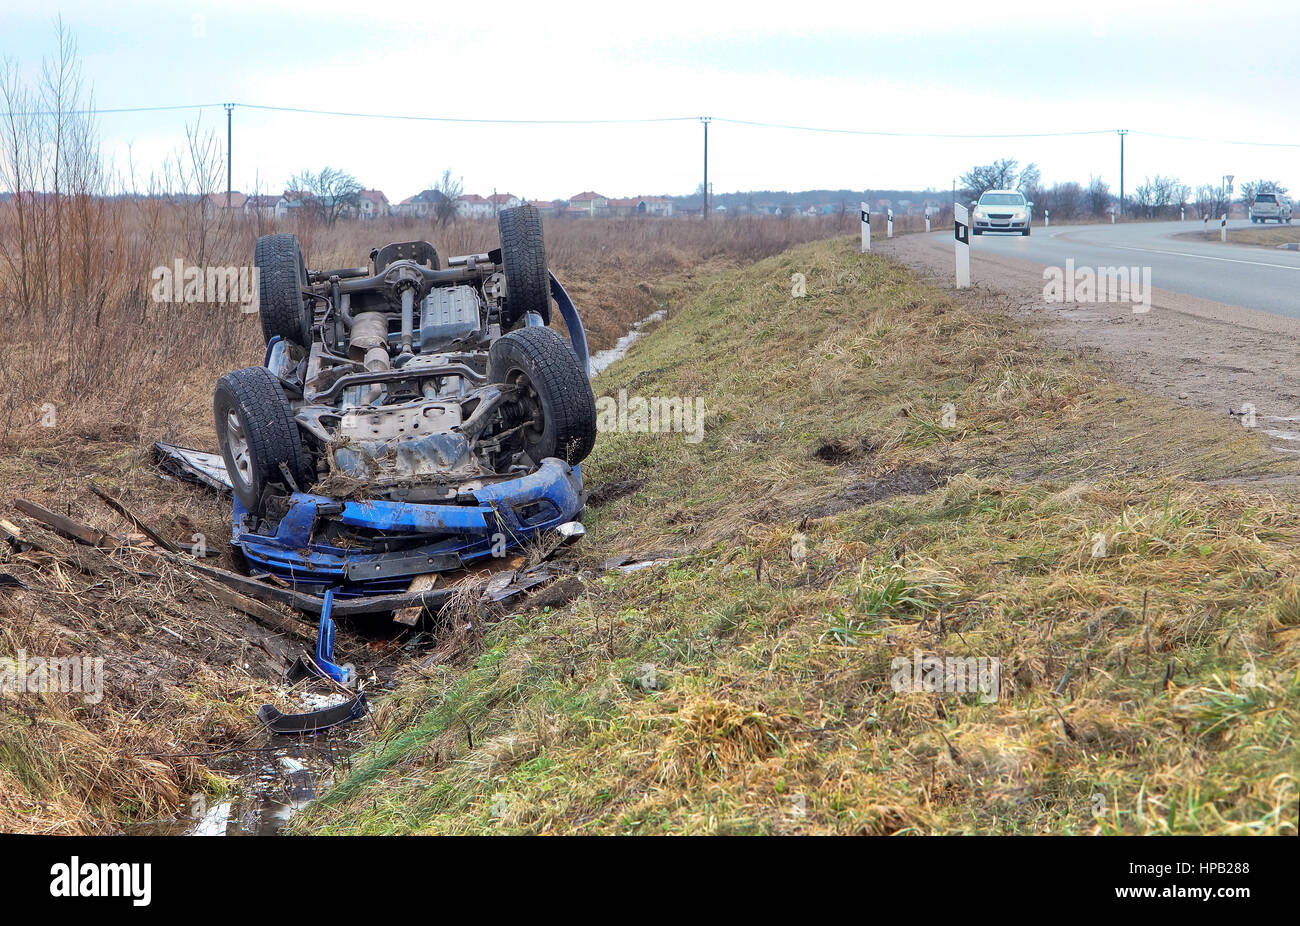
x: 134, y: 519
x: 93, y: 561
x: 215, y: 583
x: 13, y: 534
x: 411, y: 616
x: 68, y: 527
x: 263, y: 613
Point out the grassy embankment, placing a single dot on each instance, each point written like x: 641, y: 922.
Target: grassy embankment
x: 1268, y: 236
x: 1265, y: 236
x: 829, y: 523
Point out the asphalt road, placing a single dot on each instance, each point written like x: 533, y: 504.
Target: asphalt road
x: 1266, y: 279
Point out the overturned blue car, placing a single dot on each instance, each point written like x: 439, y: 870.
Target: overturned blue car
x: 409, y: 418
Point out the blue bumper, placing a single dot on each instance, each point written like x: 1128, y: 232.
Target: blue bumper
x: 411, y: 539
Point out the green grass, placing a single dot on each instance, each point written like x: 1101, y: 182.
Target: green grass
x: 831, y: 523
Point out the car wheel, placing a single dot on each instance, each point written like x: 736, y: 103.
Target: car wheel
x: 1026, y: 232
x: 977, y: 231
x: 528, y: 284
x: 555, y: 404
x: 256, y: 433
x: 281, y: 278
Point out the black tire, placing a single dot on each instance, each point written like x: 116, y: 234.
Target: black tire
x: 256, y: 433
x: 523, y: 253
x: 281, y: 278
x: 1026, y: 232
x: 542, y: 363
x: 978, y: 231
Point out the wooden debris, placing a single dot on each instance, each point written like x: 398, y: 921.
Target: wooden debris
x: 411, y: 616
x: 68, y: 527
x: 135, y: 520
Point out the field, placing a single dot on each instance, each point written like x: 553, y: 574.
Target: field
x: 887, y: 472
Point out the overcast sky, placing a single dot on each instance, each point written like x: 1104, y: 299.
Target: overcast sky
x: 1213, y: 70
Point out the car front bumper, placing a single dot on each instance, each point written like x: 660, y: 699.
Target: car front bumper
x: 1001, y: 224
x: 409, y: 539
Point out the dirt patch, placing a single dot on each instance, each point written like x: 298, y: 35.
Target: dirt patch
x: 606, y: 492
x: 837, y: 451
x: 858, y: 492
x: 1193, y: 351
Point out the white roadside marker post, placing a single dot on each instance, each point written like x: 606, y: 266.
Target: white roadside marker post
x: 1223, y: 227
x: 1182, y: 214
x: 889, y: 223
x: 1047, y: 218
x: 927, y: 219
x: 1112, y: 217
x: 1206, y: 219
x: 866, y: 227
x: 961, y: 234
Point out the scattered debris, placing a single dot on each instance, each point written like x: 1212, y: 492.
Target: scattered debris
x: 641, y: 564
x: 205, y: 469
x: 130, y: 516
x: 313, y: 721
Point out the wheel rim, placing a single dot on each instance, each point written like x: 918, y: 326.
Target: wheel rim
x: 532, y: 416
x: 237, y: 442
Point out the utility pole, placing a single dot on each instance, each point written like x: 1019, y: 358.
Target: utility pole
x: 1122, y: 133
x: 229, y: 108
x: 706, y: 120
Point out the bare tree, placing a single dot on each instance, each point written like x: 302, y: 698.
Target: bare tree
x: 1210, y: 200
x: 189, y: 175
x: 1030, y: 181
x: 1000, y: 175
x: 332, y: 193
x: 1098, y: 196
x: 448, y: 190
x: 1251, y: 188
x: 1063, y: 200
x: 1157, y: 196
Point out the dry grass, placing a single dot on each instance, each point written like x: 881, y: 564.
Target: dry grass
x: 1266, y: 236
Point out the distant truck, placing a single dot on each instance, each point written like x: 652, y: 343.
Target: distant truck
x: 1270, y: 206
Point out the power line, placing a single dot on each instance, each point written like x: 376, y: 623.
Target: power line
x: 125, y: 109
x: 1218, y: 141
x: 411, y: 118
x: 813, y: 128
x: 793, y: 127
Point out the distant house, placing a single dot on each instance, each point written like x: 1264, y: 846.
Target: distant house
x: 421, y: 205
x: 373, y: 204
x: 641, y: 205
x: 545, y: 206
x: 473, y: 206
x: 588, y: 203
x: 218, y: 200
x: 263, y: 205
x: 501, y: 201
x: 291, y: 202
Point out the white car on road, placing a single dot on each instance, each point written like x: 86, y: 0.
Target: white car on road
x: 1270, y: 206
x: 1002, y: 211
